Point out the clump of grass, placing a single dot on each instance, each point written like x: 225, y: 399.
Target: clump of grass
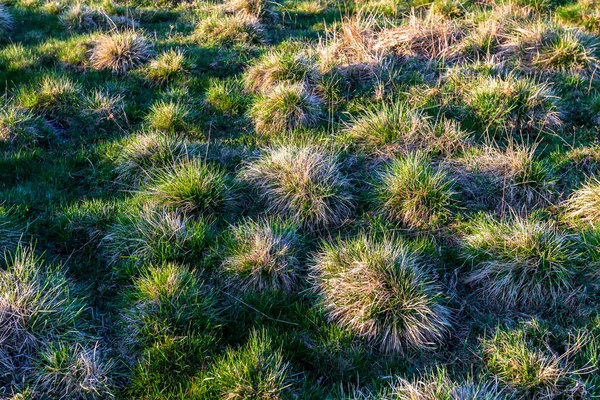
x: 19, y: 126
x: 285, y: 109
x: 519, y: 263
x: 154, y: 235
x: 411, y: 191
x: 167, y: 66
x: 229, y: 30
x: 396, y: 127
x: 255, y: 371
x: 104, y: 106
x: 120, y: 51
x: 168, y: 301
x: 262, y: 256
x: 259, y: 9
x: 224, y: 97
x: 154, y: 151
x: 6, y: 20
x: 70, y: 370
x: 193, y: 187
x: 56, y: 96
x: 15, y: 57
x: 513, y: 357
x: 80, y: 17
x: 168, y: 116
x: 382, y: 291
x: 303, y: 183
x: 584, y: 203
x: 278, y: 67
x: 429, y: 36
x: 517, y: 172
x: 546, y: 47
x: 38, y: 310
x: 437, y: 385
x: 513, y: 102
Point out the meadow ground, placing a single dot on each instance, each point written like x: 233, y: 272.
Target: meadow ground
x: 300, y: 199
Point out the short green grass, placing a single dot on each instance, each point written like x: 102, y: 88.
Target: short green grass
x: 299, y: 199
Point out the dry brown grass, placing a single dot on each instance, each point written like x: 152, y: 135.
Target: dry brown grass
x: 584, y: 203
x: 120, y: 51
x: 426, y: 36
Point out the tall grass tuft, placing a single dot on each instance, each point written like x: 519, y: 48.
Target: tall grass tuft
x: 382, y: 291
x: 304, y: 183
x: 262, y: 256
x: 521, y: 263
x: 411, y: 191
x: 120, y: 51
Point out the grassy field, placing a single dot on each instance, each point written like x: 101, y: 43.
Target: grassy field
x: 302, y: 199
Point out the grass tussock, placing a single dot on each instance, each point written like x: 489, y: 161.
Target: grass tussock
x: 151, y: 151
x: 584, y: 203
x: 79, y: 17
x: 230, y: 30
x: 426, y: 36
x: 282, y: 66
x: 262, y: 256
x: 382, y: 291
x: 262, y: 10
x: 169, y: 116
x: 120, y: 51
x: 286, y: 108
x: 395, y: 127
x: 168, y: 65
x: 411, y: 191
x: 154, y: 235
x: 44, y: 341
x: 521, y: 262
x: 257, y: 370
x: 193, y: 187
x: 304, y: 183
x: 534, y: 371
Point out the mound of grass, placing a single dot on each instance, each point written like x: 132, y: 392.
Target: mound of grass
x: 395, y: 127
x: 285, y: 109
x: 194, y: 187
x: 21, y: 127
x: 283, y: 65
x: 44, y: 343
x: 259, y: 9
x: 516, y: 172
x: 229, y: 30
x: 79, y: 17
x: 303, y: 183
x: 521, y: 262
x: 257, y: 370
x: 549, y: 48
x: 169, y: 116
x: 382, y: 291
x: 510, y: 102
x: 584, y: 203
x: 167, y: 66
x: 154, y: 151
x: 262, y: 256
x: 429, y: 36
x: 437, y: 385
x: 535, y: 371
x: 411, y: 191
x: 104, y: 106
x: 6, y: 20
x: 120, y: 51
x: 224, y: 98
x: 56, y: 96
x: 154, y: 235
